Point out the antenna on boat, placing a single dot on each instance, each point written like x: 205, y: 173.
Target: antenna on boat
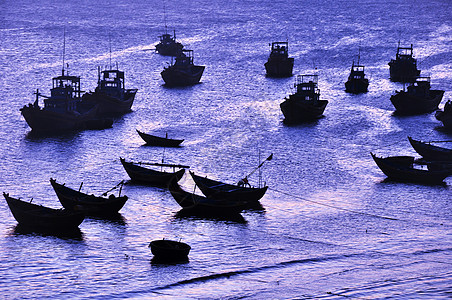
x: 109, y: 40
x: 164, y: 16
x: 64, y: 48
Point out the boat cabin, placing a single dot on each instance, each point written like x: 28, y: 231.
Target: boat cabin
x: 185, y: 58
x: 306, y: 86
x: 357, y: 72
x: 420, y: 87
x: 280, y: 49
x: 404, y: 53
x: 111, y: 82
x: 65, y: 92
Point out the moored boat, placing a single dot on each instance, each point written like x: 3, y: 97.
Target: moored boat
x: 152, y: 140
x: 305, y: 104
x: 418, y: 98
x: 168, y: 44
x: 357, y: 81
x: 401, y: 168
x: 110, y: 95
x: 62, y: 110
x: 43, y: 218
x: 445, y: 115
x: 197, y: 204
x: 89, y: 204
x: 404, y: 67
x: 169, y: 250
x: 183, y: 72
x: 279, y: 64
x: 137, y: 172
x: 431, y: 152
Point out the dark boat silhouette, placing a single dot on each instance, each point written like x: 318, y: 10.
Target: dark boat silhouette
x: 357, y: 82
x: 168, y: 45
x: 152, y: 140
x: 197, y: 204
x: 183, y: 72
x: 445, y: 115
x: 279, y: 64
x: 138, y: 173
x: 404, y: 67
x: 43, y: 218
x: 110, y: 95
x: 89, y: 204
x: 305, y: 104
x: 62, y: 110
x: 431, y: 152
x: 168, y: 250
x: 401, y: 168
x: 418, y: 98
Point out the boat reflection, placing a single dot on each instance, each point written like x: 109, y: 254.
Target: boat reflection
x: 192, y: 216
x: 74, y: 234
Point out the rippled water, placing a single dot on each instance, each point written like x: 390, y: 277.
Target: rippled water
x: 331, y: 227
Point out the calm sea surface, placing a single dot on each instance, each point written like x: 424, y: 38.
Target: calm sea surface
x: 331, y: 227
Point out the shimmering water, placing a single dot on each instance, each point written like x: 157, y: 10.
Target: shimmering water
x: 331, y: 228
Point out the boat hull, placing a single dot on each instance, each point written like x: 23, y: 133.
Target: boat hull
x: 110, y: 105
x: 149, y: 176
x: 299, y: 111
x: 279, y: 67
x: 400, y: 168
x: 43, y: 218
x: 152, y: 140
x: 406, y: 104
x: 356, y: 86
x: 169, y: 250
x: 431, y: 152
x: 88, y: 204
x: 186, y: 76
x: 218, y: 190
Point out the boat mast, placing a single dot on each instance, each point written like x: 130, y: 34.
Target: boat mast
x: 64, y: 48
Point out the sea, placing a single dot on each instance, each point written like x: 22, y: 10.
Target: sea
x: 332, y: 226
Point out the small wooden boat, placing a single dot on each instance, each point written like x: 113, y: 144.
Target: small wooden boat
x: 197, y: 204
x: 153, y: 177
x: 305, y: 104
x: 183, y: 72
x: 110, y: 95
x: 418, y: 98
x: 404, y: 67
x: 168, y: 44
x: 152, y: 140
x: 401, y: 168
x: 169, y: 250
x: 43, y: 218
x: 357, y: 81
x: 219, y: 190
x: 431, y: 152
x: 445, y: 115
x: 89, y: 204
x: 279, y: 64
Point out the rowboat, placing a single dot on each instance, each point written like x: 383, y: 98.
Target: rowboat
x: 169, y: 250
x: 401, y: 168
x: 43, y: 218
x: 89, y: 204
x: 137, y: 172
x: 431, y: 152
x: 152, y: 140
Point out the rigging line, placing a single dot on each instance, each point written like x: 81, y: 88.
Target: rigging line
x: 336, y: 207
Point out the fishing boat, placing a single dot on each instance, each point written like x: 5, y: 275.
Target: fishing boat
x: 152, y: 140
x: 168, y: 45
x: 137, y: 172
x: 43, y: 218
x: 279, y: 64
x: 357, y: 82
x: 404, y: 67
x: 418, y: 98
x: 401, y: 168
x: 445, y: 115
x: 305, y: 104
x: 183, y: 72
x: 110, y: 95
x: 62, y: 110
x: 197, y: 204
x: 242, y: 191
x: 89, y: 204
x: 169, y: 250
x: 431, y: 152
